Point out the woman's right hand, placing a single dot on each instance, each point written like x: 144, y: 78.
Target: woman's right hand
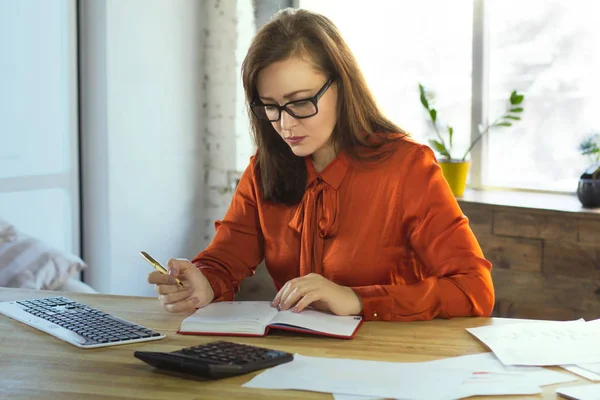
x: 195, y: 293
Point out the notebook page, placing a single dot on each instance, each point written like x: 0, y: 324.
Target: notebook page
x: 318, y: 321
x: 230, y: 317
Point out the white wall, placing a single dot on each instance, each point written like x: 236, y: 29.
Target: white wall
x: 142, y: 174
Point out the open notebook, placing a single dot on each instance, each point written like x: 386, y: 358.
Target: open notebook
x: 255, y: 318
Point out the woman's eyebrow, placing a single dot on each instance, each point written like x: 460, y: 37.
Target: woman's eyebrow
x: 287, y: 95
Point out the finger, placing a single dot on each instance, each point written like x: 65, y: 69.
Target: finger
x: 284, y: 292
x: 184, y: 305
x: 175, y: 296
x: 297, y: 288
x: 307, y: 300
x: 180, y: 269
x: 166, y: 289
x: 277, y: 298
x: 177, y: 266
x: 289, y: 287
x: 159, y: 278
x: 296, y: 294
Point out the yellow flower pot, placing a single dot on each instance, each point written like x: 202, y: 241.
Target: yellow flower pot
x: 456, y: 172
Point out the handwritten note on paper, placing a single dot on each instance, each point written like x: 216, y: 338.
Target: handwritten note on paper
x: 542, y: 343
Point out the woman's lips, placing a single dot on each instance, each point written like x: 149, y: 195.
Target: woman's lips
x: 294, y: 139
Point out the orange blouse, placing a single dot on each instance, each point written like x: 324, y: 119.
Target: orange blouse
x: 394, y: 233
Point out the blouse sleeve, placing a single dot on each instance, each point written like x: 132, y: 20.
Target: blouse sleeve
x: 456, y: 277
x: 237, y: 247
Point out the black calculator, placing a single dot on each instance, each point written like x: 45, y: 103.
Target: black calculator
x: 216, y: 360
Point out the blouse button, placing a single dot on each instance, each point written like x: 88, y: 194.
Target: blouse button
x: 375, y: 315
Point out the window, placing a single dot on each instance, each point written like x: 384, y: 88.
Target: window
x: 400, y: 44
x: 545, y: 49
x: 549, y: 50
x: 38, y: 120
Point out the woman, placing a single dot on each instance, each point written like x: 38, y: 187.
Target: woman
x: 350, y: 215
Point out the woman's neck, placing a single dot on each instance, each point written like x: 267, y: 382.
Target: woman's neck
x: 322, y: 157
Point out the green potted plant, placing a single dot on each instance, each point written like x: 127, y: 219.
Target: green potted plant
x: 588, y: 189
x: 455, y: 169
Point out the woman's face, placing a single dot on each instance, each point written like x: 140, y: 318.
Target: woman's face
x: 296, y: 79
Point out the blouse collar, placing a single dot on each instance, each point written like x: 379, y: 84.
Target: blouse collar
x: 333, y: 173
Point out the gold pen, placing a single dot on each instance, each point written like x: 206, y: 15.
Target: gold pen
x: 157, y: 265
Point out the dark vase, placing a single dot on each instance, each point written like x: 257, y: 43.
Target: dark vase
x: 588, y: 192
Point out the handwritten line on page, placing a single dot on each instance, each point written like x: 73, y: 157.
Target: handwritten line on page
x: 397, y: 380
x: 570, y: 342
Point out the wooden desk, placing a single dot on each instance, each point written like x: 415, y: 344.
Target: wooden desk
x: 34, y: 364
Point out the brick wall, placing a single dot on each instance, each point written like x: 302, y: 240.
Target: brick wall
x: 226, y: 138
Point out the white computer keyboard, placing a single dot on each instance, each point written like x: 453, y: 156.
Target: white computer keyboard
x: 77, y: 323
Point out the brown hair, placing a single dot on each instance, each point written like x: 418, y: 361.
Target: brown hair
x: 298, y: 32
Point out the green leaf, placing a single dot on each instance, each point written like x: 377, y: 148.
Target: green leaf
x: 439, y: 147
x: 433, y: 114
x: 423, y: 97
x: 516, y: 109
x: 590, y: 145
x: 512, y: 117
x: 516, y: 98
x: 503, y: 124
x: 450, y: 133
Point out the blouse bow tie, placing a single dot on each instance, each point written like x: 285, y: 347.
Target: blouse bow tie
x: 318, y: 206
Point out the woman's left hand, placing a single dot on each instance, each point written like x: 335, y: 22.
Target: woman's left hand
x: 323, y: 294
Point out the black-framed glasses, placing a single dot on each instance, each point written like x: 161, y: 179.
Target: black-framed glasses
x: 303, y: 108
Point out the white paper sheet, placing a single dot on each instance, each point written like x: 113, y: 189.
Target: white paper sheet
x: 495, y: 387
x: 446, y: 379
x: 584, y: 392
x: 488, y: 362
x: 579, y: 370
x: 542, y: 343
x: 366, y: 378
x: 588, y: 371
x: 502, y: 380
x: 595, y: 368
